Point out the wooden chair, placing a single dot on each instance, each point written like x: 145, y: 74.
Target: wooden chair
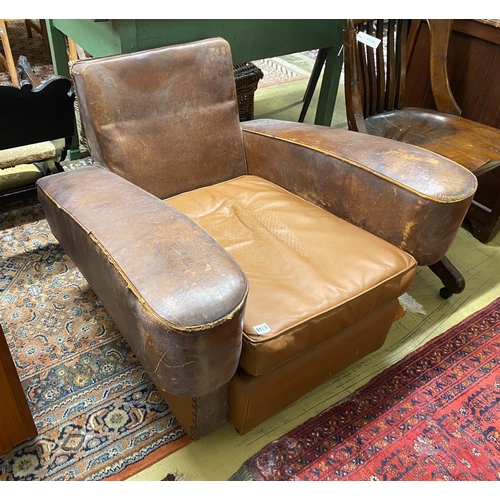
x: 36, y: 128
x: 40, y: 28
x: 375, y: 87
x: 7, y: 59
x: 374, y: 92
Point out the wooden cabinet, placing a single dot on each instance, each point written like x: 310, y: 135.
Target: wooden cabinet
x: 16, y: 421
x: 473, y: 68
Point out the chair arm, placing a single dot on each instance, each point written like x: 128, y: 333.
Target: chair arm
x: 404, y: 194
x: 440, y: 33
x: 174, y: 293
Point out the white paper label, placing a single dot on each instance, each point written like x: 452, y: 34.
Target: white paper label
x: 262, y: 328
x: 369, y: 40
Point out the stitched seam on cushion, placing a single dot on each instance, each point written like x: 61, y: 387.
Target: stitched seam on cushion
x: 268, y: 370
x: 247, y: 400
x: 443, y: 199
x: 331, y: 309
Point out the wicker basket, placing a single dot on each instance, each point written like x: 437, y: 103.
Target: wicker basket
x: 246, y: 76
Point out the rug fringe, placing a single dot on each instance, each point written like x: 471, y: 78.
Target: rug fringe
x: 244, y: 473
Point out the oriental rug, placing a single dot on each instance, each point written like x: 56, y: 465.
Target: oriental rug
x: 98, y: 415
x: 434, y: 415
x: 278, y: 70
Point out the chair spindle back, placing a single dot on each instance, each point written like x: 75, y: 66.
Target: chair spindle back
x: 377, y: 76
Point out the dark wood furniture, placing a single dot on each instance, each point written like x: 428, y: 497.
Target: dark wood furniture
x: 34, y: 113
x: 473, y: 70
x: 16, y: 421
x: 375, y: 89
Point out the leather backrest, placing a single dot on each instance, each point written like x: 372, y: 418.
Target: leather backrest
x: 166, y: 119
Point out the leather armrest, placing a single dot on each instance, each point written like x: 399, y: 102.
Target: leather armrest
x: 175, y: 294
x: 413, y: 198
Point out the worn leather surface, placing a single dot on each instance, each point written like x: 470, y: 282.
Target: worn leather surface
x: 174, y: 293
x: 199, y: 416
x: 165, y: 119
x: 255, y: 399
x: 311, y: 275
x: 411, y: 197
x: 469, y: 143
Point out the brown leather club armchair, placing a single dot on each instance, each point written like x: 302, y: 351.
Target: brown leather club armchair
x: 247, y: 263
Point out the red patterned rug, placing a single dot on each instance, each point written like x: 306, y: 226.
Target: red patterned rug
x: 435, y: 415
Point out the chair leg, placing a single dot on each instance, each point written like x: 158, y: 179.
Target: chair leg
x: 29, y: 32
x: 451, y: 278
x: 9, y: 60
x: 45, y: 36
x: 313, y: 81
x: 41, y: 28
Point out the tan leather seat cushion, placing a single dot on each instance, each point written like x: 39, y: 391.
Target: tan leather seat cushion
x: 311, y: 275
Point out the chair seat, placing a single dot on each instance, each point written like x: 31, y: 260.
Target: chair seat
x: 307, y: 281
x: 466, y: 142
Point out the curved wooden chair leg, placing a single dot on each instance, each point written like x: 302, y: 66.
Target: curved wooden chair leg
x: 451, y: 278
x: 313, y: 81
